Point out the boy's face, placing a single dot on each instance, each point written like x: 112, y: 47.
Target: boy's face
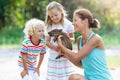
x: 55, y: 15
x: 38, y: 32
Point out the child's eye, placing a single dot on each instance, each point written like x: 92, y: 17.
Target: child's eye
x: 41, y: 30
x: 51, y: 16
x: 74, y: 20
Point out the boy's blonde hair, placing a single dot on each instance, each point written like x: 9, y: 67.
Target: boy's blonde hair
x: 57, y: 6
x: 31, y: 25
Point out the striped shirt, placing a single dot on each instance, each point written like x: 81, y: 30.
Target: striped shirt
x: 31, y: 50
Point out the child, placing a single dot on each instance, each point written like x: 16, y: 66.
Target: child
x: 58, y: 69
x: 32, y: 46
x: 91, y: 50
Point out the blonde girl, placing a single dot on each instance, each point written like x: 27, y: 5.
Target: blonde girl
x: 58, y: 69
x: 33, y: 46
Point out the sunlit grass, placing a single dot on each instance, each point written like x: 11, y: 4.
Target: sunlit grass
x: 113, y: 41
x: 113, y: 62
x: 10, y: 46
x: 10, y: 37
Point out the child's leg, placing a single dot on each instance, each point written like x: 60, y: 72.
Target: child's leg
x: 34, y: 75
x: 77, y: 77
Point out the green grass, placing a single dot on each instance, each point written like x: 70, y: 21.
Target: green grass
x: 11, y: 37
x: 113, y: 61
x: 113, y: 41
x: 10, y: 46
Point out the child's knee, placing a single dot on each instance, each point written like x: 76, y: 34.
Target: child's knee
x: 76, y: 77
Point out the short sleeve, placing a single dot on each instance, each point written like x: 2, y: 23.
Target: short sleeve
x: 43, y: 47
x: 68, y: 26
x: 46, y: 32
x: 43, y: 51
x: 47, y: 29
x: 71, y: 28
x: 24, y: 49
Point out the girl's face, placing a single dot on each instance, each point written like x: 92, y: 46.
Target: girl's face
x: 55, y: 15
x: 38, y: 32
x: 78, y: 23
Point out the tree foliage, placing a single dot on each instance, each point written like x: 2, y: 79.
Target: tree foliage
x: 14, y: 13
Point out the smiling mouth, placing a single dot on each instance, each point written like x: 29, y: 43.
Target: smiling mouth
x: 41, y: 35
x: 56, y: 19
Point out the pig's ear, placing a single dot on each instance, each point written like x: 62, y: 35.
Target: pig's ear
x: 60, y: 30
x: 49, y: 33
x: 55, y: 39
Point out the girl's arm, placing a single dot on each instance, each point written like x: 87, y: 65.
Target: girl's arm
x: 56, y: 48
x: 84, y: 51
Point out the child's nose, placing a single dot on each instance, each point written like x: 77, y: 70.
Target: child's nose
x: 54, y: 17
x: 72, y: 23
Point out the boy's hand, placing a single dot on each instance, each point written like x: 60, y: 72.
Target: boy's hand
x: 23, y: 73
x: 37, y: 71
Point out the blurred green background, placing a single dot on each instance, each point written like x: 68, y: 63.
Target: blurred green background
x: 14, y: 14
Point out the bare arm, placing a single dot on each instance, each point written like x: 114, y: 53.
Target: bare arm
x: 56, y: 48
x: 84, y: 51
x: 78, y: 44
x: 24, y: 61
x: 71, y: 36
x: 25, y: 71
x: 41, y: 57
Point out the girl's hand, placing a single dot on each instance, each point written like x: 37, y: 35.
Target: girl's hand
x: 23, y: 73
x: 37, y: 71
x: 59, y: 40
x: 57, y: 49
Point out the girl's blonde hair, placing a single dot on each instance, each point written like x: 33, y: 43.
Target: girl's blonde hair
x: 31, y: 25
x: 57, y: 6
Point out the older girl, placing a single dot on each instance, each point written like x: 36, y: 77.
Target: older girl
x: 58, y: 69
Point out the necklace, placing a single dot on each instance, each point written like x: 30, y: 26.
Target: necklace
x: 85, y: 40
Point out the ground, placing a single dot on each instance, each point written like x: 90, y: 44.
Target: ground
x: 9, y: 69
